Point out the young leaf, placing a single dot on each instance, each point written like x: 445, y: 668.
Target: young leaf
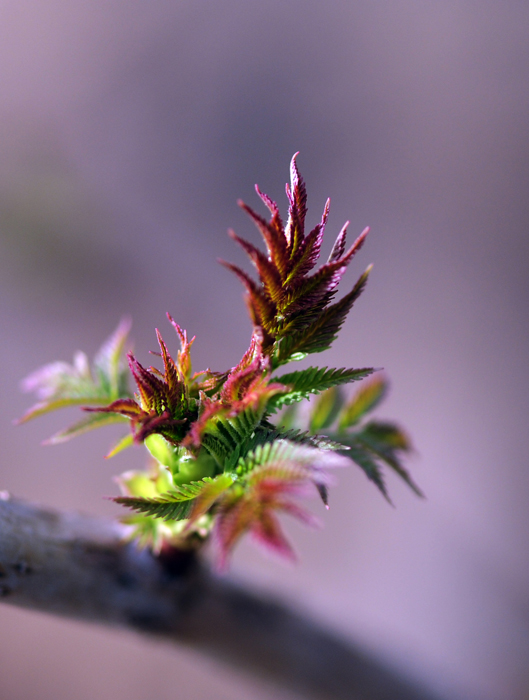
x: 208, y: 495
x: 378, y: 444
x: 313, y: 380
x: 365, y: 459
x: 284, y: 453
x: 59, y: 385
x: 157, y: 507
x: 95, y: 420
x: 365, y: 400
x: 108, y: 362
x: 182, y: 501
x: 270, y: 433
x: 326, y: 409
x: 288, y: 304
x: 322, y: 332
x: 121, y: 444
x: 387, y: 441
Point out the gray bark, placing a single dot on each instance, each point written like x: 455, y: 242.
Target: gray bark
x: 80, y: 567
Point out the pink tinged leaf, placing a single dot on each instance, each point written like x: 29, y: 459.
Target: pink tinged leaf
x: 353, y: 250
x: 43, y: 407
x: 171, y: 373
x: 268, y: 275
x: 272, y: 208
x: 338, y: 248
x: 297, y: 196
x: 154, y: 370
x: 302, y: 514
x: 233, y: 519
x: 254, y: 350
x: 310, y: 248
x: 322, y: 332
x: 174, y: 389
x: 157, y: 424
x: 208, y: 496
x: 275, y: 224
x: 314, y: 292
x: 125, y: 407
x: 241, y: 377
x: 316, y: 288
x: 184, y: 355
x: 257, y: 396
x: 210, y: 409
x: 267, y: 532
x: 151, y: 388
x: 274, y: 239
x: 299, y: 191
x: 52, y: 379
x: 210, y: 381
x: 262, y: 311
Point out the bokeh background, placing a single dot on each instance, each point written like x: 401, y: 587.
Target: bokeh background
x: 127, y: 132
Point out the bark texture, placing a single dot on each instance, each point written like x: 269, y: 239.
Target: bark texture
x: 78, y: 566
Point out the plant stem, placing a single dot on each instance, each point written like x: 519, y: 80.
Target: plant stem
x: 79, y: 567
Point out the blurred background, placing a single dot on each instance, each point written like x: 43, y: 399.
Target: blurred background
x: 127, y: 132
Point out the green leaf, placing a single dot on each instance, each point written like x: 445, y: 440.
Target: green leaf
x: 313, y: 380
x: 182, y: 501
x: 368, y: 463
x: 321, y: 333
x: 94, y: 420
x: 108, y: 362
x: 387, y: 435
x: 59, y: 384
x: 216, y: 449
x: 210, y: 493
x: 378, y: 444
x: 157, y: 507
x: 224, y: 436
x: 122, y: 444
x: 269, y: 433
x: 43, y: 407
x: 186, y: 492
x: 365, y: 400
x: 282, y: 452
x: 326, y: 409
x: 387, y: 441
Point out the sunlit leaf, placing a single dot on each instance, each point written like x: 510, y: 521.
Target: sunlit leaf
x: 313, y: 380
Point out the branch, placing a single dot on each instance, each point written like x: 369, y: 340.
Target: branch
x: 78, y: 566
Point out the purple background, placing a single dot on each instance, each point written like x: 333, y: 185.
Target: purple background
x: 128, y: 130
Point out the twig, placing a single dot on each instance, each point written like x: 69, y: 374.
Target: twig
x: 78, y: 566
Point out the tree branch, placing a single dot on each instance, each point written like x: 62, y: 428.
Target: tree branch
x: 79, y: 567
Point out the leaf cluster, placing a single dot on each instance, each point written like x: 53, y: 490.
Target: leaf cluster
x: 291, y: 306
x: 223, y: 461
